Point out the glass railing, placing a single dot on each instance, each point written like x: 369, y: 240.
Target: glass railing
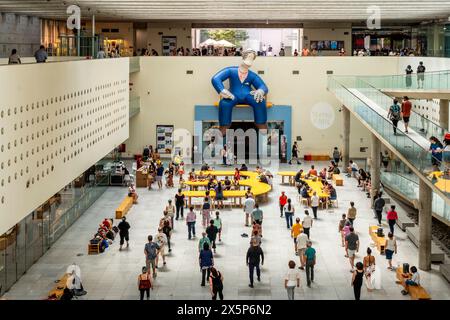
x: 416, y: 154
x: 135, y: 64
x: 439, y: 80
x: 135, y: 106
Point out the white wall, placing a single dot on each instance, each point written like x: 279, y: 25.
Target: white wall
x: 168, y: 95
x: 56, y: 120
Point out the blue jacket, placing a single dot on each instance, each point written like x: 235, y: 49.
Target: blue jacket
x: 238, y: 89
x: 206, y: 258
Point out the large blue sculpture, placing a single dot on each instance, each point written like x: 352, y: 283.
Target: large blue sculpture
x: 246, y: 87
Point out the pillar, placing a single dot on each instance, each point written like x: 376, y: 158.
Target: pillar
x: 443, y: 113
x: 375, y: 148
x: 346, y: 131
x: 425, y: 218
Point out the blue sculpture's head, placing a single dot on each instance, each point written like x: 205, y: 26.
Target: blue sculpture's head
x: 248, y: 56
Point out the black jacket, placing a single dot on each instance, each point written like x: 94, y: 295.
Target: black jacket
x: 123, y: 227
x: 254, y: 254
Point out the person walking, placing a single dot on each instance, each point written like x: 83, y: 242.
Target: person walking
x: 212, y: 232
x: 420, y: 75
x: 161, y: 240
x: 296, y: 229
x: 206, y: 261
x: 204, y: 239
x: 378, y: 206
x: 218, y: 224
x: 249, y: 205
x: 124, y: 234
x: 302, y: 242
x: 369, y: 268
x: 216, y: 283
x: 167, y: 229
x: 341, y: 226
x: 206, y: 212
x: 336, y: 156
x: 294, y: 153
x: 310, y: 262
x: 190, y: 222
x: 351, y: 213
x: 307, y: 223
x: 291, y: 280
x: 406, y: 111
x: 144, y: 284
x: 391, y: 248
x: 282, y: 200
x: 257, y: 215
x: 357, y: 280
x: 394, y: 115
x: 392, y: 218
x: 179, y: 204
x: 151, y: 251
x: 159, y: 175
x: 289, y: 212
x: 314, y: 204
x: 351, y: 247
x: 170, y: 209
x: 254, y: 257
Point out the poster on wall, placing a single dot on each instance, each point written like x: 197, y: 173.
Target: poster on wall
x: 164, y: 139
x: 168, y: 45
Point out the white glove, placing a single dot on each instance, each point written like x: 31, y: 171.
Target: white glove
x: 259, y: 95
x: 226, y: 94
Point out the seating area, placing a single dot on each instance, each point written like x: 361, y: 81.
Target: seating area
x: 415, y: 292
x: 338, y: 180
x: 104, y: 236
x: 124, y: 207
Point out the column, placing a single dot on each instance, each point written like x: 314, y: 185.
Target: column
x: 346, y: 131
x: 375, y: 148
x: 443, y: 113
x: 425, y: 218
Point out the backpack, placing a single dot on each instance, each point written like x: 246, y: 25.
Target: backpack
x: 151, y: 251
x: 144, y: 283
x: 395, y: 115
x: 336, y: 170
x: 115, y: 229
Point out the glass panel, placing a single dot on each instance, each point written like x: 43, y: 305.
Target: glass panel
x: 34, y: 241
x: 11, y: 272
x: 21, y: 248
x: 3, y: 245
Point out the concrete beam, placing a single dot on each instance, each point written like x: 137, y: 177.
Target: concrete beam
x: 425, y: 220
x: 346, y: 133
x: 443, y: 113
x: 375, y: 149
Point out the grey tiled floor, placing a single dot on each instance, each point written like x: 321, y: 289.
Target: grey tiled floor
x: 113, y: 274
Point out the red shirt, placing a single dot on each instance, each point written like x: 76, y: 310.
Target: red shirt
x: 313, y: 172
x: 406, y: 108
x: 283, y: 200
x: 392, y: 215
x: 237, y: 176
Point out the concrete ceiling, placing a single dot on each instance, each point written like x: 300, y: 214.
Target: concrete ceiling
x: 241, y: 10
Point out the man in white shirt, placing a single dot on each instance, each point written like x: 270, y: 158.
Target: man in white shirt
x: 302, y: 241
x: 101, y: 54
x: 315, y: 204
x: 307, y: 223
x: 249, y: 205
x: 352, y: 169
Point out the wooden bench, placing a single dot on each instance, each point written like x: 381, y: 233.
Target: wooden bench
x: 380, y: 242
x: 338, y: 180
x: 94, y: 248
x: 123, y: 208
x: 416, y: 292
x: 58, y: 290
x: 268, y: 105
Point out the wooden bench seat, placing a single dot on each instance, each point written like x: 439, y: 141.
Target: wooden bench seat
x: 123, y: 208
x: 94, y: 248
x: 338, y: 180
x: 380, y: 242
x: 416, y: 292
x: 58, y: 290
x: 268, y: 105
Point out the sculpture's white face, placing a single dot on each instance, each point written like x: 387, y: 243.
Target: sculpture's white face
x: 248, y: 59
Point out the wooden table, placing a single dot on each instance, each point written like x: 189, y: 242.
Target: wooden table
x: 290, y: 174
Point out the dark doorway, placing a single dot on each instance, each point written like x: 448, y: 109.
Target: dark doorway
x: 244, y: 125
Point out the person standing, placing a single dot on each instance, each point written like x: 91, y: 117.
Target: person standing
x: 336, y: 156
x: 190, y: 222
x: 254, y: 256
x: 170, y: 209
x: 159, y: 175
x: 204, y: 239
x: 392, y: 217
x: 420, y: 75
x: 179, y: 204
x: 14, y: 58
x: 296, y: 229
x: 351, y: 247
x: 315, y: 203
x: 257, y: 215
x: 212, y: 232
x: 291, y: 280
x: 436, y: 148
x: 378, y: 206
x: 351, y: 213
x: 151, y: 251
x: 124, y: 228
x: 216, y: 283
x: 307, y: 223
x: 206, y: 261
x: 302, y: 241
x: 101, y: 54
x: 206, y: 212
x: 310, y: 262
x: 391, y: 248
x: 294, y: 153
x: 144, y: 284
x: 161, y: 240
x: 369, y: 268
x: 406, y: 111
x: 249, y: 205
x: 218, y: 224
x: 282, y: 201
x: 357, y: 280
x: 289, y: 212
x: 408, y: 80
x: 41, y: 55
x: 394, y: 115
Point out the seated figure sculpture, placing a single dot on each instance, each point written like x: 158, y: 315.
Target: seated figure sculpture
x: 246, y: 87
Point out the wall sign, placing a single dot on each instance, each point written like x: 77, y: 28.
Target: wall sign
x: 164, y: 139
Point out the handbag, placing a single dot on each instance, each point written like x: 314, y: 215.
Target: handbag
x: 406, y: 268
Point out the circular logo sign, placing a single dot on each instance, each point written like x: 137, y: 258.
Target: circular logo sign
x: 322, y: 115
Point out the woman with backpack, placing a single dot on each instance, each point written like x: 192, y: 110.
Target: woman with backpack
x: 144, y: 283
x: 394, y: 115
x: 216, y: 283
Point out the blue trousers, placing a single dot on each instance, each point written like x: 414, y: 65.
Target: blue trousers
x: 226, y: 108
x: 191, y: 229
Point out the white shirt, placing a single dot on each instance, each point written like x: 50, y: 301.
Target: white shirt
x: 302, y: 239
x: 416, y: 278
x: 161, y: 239
x: 286, y: 208
x: 354, y: 166
x: 315, y: 201
x: 307, y: 222
x: 291, y: 276
x: 249, y: 205
x: 391, y: 244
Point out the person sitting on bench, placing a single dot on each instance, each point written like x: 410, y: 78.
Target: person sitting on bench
x: 414, y: 281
